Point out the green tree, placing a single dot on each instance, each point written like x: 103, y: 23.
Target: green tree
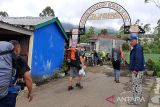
x: 89, y: 33
x: 104, y: 31
x: 158, y: 27
x: 157, y: 31
x: 125, y: 46
x: 145, y: 41
x: 48, y: 11
x: 158, y: 22
x: 121, y: 30
x: 156, y: 2
x: 118, y: 36
x: 125, y: 36
x: 154, y: 46
x: 147, y: 28
x: 121, y: 33
x: 3, y: 14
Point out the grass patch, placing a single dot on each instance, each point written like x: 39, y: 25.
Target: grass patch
x: 154, y: 57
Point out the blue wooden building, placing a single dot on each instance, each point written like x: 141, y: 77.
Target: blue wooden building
x: 42, y: 40
x: 48, y: 48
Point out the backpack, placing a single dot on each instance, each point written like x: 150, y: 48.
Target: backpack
x: 71, y: 54
x: 6, y: 50
x: 116, y: 54
x: 73, y: 57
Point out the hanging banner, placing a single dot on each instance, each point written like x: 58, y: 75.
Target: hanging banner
x: 134, y: 28
x: 74, y: 40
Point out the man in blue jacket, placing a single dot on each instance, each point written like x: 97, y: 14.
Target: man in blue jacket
x: 137, y: 68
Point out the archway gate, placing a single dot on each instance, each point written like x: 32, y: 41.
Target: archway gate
x: 128, y: 27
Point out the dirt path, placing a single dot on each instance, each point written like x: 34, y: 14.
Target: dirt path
x: 97, y: 87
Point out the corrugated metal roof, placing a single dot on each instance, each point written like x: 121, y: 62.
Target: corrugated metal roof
x: 31, y: 21
x: 14, y: 28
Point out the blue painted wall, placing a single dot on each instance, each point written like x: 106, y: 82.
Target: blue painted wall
x: 48, y: 50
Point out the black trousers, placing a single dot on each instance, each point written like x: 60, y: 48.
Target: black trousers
x: 9, y: 100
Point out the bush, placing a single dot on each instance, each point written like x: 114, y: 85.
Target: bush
x: 150, y: 64
x: 108, y: 62
x: 158, y: 74
x: 125, y: 47
x: 147, y: 49
x: 157, y: 69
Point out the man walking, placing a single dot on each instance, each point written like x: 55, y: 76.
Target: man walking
x: 95, y: 57
x: 76, y: 63
x: 117, y: 56
x: 137, y: 68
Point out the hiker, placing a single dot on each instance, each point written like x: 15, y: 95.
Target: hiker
x: 76, y: 63
x: 95, y: 57
x: 108, y: 57
x: 117, y: 56
x: 19, y: 69
x: 137, y: 68
x: 103, y: 54
x: 100, y: 59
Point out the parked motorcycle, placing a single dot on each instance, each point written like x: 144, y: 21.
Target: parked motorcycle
x: 89, y: 59
x: 99, y: 60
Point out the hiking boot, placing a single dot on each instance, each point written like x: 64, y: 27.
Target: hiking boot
x: 70, y: 88
x: 79, y: 86
x: 117, y: 81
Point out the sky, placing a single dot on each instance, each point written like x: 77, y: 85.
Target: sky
x: 71, y: 11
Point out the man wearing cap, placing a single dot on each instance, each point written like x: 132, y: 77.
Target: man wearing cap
x: 137, y: 68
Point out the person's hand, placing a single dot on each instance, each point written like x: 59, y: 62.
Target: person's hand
x: 30, y: 97
x: 124, y: 64
x: 135, y: 73
x: 84, y: 66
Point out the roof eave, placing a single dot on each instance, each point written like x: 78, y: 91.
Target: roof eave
x: 51, y: 21
x: 15, y: 28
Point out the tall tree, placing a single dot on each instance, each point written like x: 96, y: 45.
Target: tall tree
x: 89, y: 33
x: 104, y: 31
x: 147, y: 28
x: 158, y: 22
x: 156, y: 2
x: 3, y: 14
x: 121, y: 33
x: 121, y: 30
x: 158, y: 28
x: 48, y: 11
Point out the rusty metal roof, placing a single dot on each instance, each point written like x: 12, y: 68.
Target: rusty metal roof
x: 30, y: 21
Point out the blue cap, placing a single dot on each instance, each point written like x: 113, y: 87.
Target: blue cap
x: 133, y: 38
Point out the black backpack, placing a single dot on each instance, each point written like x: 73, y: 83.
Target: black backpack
x: 116, y: 54
x: 6, y: 68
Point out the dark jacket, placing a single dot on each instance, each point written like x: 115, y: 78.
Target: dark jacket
x: 137, y: 58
